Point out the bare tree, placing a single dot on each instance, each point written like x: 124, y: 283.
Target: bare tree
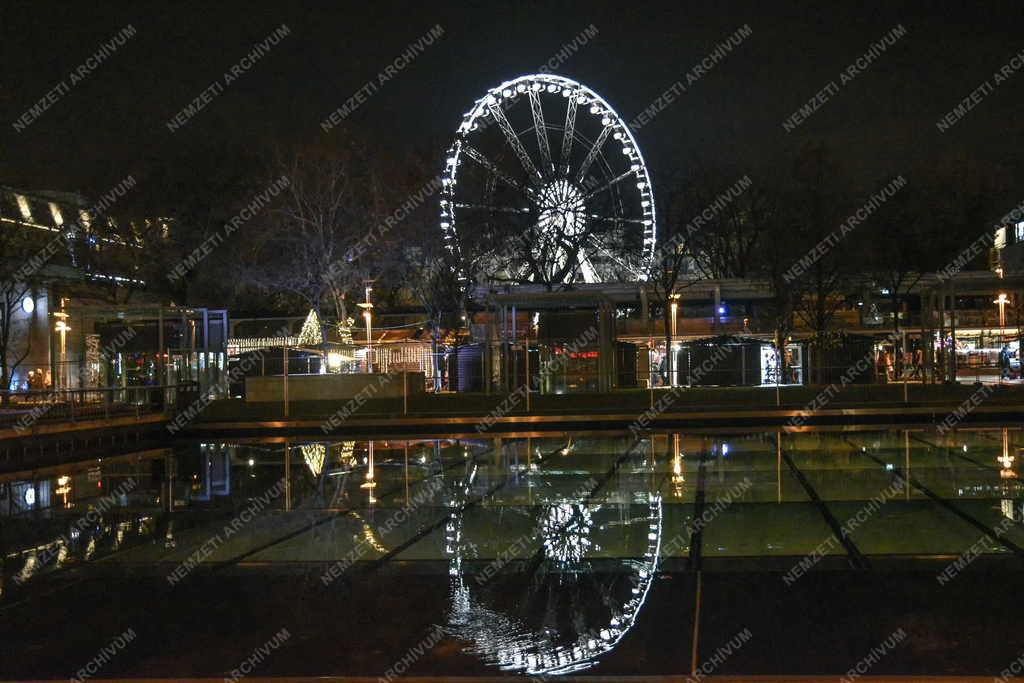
x: 672, y: 268
x: 815, y: 207
x: 520, y: 249
x: 17, y: 275
x: 728, y: 243
x: 438, y: 285
x: 900, y: 254
x: 317, y: 243
x: 440, y: 276
x: 774, y: 261
x: 195, y: 192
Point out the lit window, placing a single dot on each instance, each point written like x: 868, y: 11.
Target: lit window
x: 26, y: 211
x: 57, y: 217
x: 1000, y: 238
x: 1019, y: 232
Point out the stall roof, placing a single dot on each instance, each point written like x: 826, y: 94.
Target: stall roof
x: 725, y: 339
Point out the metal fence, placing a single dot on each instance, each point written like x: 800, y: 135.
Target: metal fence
x: 21, y: 410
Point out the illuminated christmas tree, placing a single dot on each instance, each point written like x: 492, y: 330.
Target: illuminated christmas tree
x: 311, y: 334
x: 345, y: 331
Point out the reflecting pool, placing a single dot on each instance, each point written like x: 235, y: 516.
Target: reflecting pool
x: 520, y: 554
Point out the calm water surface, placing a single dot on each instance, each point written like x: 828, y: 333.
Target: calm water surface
x: 749, y: 552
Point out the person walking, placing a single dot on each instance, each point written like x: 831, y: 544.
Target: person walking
x: 1004, y: 362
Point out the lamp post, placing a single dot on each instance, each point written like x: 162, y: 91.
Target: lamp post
x: 1002, y: 300
x: 671, y: 364
x: 367, y: 307
x: 62, y: 327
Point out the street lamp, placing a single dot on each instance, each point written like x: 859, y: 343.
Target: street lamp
x: 1002, y: 300
x: 674, y: 308
x: 367, y: 307
x: 62, y: 327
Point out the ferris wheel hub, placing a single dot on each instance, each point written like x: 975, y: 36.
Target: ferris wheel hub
x: 561, y: 209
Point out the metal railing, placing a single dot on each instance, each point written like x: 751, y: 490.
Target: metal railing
x: 21, y: 410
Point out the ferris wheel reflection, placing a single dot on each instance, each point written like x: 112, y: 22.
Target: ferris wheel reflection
x: 570, y: 602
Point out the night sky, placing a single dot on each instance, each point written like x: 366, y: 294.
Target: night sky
x: 113, y: 122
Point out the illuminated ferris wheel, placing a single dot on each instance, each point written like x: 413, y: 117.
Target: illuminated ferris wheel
x: 546, y: 183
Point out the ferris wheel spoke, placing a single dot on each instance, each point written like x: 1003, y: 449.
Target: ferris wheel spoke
x: 486, y: 207
x: 479, y: 158
x: 615, y: 219
x: 542, y: 131
x: 610, y: 184
x: 567, y: 134
x: 587, y: 268
x: 592, y: 154
x: 593, y: 242
x: 514, y: 142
